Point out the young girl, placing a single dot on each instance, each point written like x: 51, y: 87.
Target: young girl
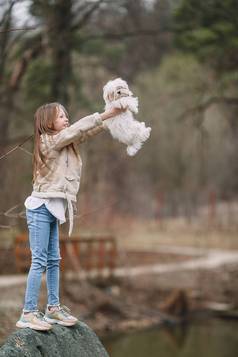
x: 56, y: 178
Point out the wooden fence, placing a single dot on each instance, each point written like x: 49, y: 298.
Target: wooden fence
x: 81, y: 255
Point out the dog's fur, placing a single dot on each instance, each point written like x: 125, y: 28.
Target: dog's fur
x: 124, y: 127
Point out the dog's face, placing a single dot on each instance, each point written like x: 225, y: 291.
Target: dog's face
x: 115, y: 89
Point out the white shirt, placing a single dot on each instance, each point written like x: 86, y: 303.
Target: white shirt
x: 56, y: 206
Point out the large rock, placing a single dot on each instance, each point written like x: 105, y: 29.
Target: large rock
x: 76, y: 341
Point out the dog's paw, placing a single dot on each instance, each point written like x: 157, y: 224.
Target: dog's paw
x: 131, y: 103
x: 119, y: 103
x: 131, y: 150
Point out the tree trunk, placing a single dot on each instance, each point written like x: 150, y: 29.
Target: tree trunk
x: 60, y: 40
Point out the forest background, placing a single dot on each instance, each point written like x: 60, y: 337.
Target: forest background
x: 180, y: 58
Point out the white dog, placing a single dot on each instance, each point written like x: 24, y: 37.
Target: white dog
x: 124, y: 127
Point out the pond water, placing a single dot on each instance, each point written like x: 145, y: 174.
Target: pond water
x: 213, y: 338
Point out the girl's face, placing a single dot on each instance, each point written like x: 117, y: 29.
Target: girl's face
x: 61, y: 120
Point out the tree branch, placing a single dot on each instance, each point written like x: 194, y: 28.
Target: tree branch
x: 5, y: 23
x: 21, y: 65
x: 83, y: 20
x: 19, y: 29
x: 7, y: 14
x: 15, y: 147
x: 201, y: 108
x: 119, y: 36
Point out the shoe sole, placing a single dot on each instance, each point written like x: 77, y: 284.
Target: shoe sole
x: 54, y: 321
x: 32, y: 326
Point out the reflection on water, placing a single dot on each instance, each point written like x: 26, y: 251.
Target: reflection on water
x: 215, y: 338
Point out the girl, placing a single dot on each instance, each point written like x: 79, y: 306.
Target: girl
x: 56, y: 179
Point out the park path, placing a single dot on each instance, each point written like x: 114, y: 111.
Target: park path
x: 202, y: 259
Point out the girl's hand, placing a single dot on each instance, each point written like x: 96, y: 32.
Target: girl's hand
x: 111, y: 113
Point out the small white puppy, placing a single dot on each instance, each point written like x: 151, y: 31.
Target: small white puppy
x: 124, y: 127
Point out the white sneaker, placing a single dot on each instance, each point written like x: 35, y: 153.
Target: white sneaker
x: 60, y: 315
x: 34, y: 320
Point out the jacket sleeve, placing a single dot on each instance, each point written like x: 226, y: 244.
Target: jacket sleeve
x: 74, y: 132
x: 91, y: 132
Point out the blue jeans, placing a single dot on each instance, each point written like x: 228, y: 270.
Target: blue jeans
x: 45, y: 256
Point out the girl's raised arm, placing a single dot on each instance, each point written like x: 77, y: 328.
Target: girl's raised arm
x: 78, y: 130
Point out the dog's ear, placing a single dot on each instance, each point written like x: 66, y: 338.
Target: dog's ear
x: 110, y: 96
x: 105, y: 95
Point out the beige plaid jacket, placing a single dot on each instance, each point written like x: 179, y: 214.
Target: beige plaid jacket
x: 62, y: 176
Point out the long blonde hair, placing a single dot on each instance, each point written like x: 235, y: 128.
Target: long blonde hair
x: 44, y: 117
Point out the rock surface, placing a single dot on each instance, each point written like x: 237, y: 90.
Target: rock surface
x: 75, y: 341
